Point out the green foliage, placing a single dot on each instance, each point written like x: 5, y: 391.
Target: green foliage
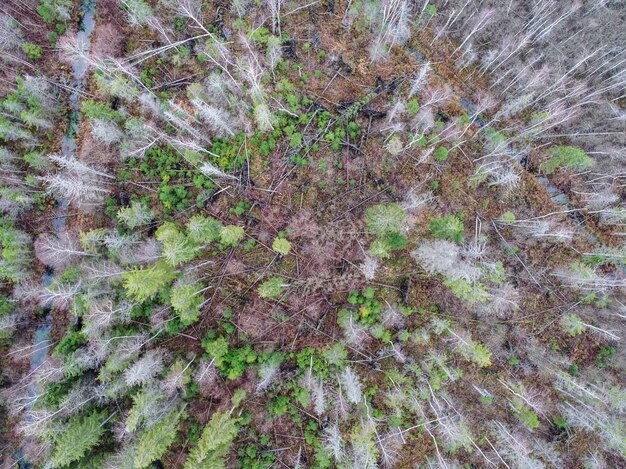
x: 560, y: 422
x: 508, y: 218
x: 271, y: 288
x: 381, y: 333
x: 37, y: 160
x: 309, y: 359
x: 441, y: 154
x: 603, y: 356
x: 229, y: 150
x: 186, y: 302
x: 253, y: 456
x: 70, y: 343
x: 526, y: 416
x: 144, y: 283
x: 6, y: 306
x: 217, y: 348
x: 144, y: 403
x: 32, y: 51
x: 566, y: 157
x: 16, y: 253
x: 95, y: 110
x: 236, y: 360
x: 382, y: 219
x: 477, y: 353
x: 238, y: 397
x: 383, y: 246
x: 51, y: 10
x: 242, y: 207
x: 260, y: 35
x: 369, y: 308
x: 137, y: 214
x: 448, y: 227
x: 412, y: 106
x: 230, y: 235
x: 168, y: 166
x: 281, y: 246
x: 278, y: 407
x: 79, y: 435
x: 606, y: 255
x: 573, y: 325
x: 336, y: 355
x: 215, y: 442
x: 177, y: 248
x: 231, y: 362
x: 471, y: 292
x: 203, y: 230
x: 153, y: 442
x: 493, y: 272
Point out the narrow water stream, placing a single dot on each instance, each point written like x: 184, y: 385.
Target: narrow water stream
x: 41, y: 338
x: 68, y: 148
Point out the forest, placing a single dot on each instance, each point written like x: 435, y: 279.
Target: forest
x: 347, y: 234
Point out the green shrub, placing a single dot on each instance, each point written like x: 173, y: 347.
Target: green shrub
x: 281, y: 246
x: 242, y: 207
x: 449, y: 227
x: 217, y: 348
x: 94, y: 110
x: 567, y: 157
x: 441, y: 154
x: 271, y: 288
x: 526, y: 416
x: 508, y: 218
x: 278, y: 407
x: 470, y: 292
x: 32, y: 51
x: 230, y: 235
x: 412, y: 106
x: 70, y: 343
x: 369, y: 308
x: 573, y: 325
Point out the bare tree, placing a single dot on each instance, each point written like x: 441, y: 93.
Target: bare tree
x: 58, y: 251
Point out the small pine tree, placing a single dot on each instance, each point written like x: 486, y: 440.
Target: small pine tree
x: 215, y: 442
x: 231, y: 235
x: 80, y: 435
x: 186, y: 302
x: 137, y: 214
x: 448, y: 227
x: 385, y: 218
x: 202, y: 230
x: 568, y: 157
x: 144, y: 283
x: 177, y: 249
x: 154, y: 442
x: 573, y: 325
